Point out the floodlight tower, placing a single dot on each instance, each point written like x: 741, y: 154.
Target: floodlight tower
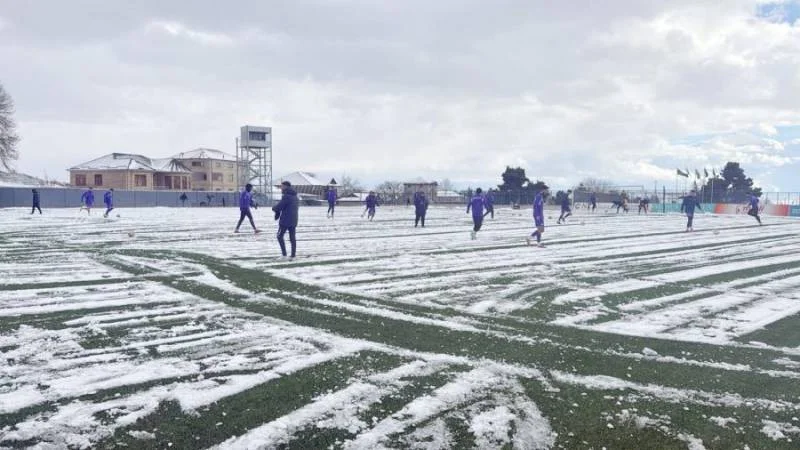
x: 254, y: 159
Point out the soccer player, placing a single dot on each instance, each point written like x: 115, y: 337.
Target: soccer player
x: 420, y: 208
x: 688, y: 206
x: 371, y: 202
x: 565, y: 209
x: 644, y: 204
x: 87, y: 200
x: 592, y: 201
x: 286, y: 212
x: 476, y: 203
x: 754, y: 208
x: 538, y: 217
x: 245, y: 202
x: 331, y: 201
x: 621, y: 203
x: 36, y: 201
x: 488, y: 203
x: 108, y: 200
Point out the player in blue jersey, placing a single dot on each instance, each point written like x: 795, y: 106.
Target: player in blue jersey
x: 753, y: 211
x: 371, y: 203
x: 538, y: 217
x: 488, y: 203
x: 688, y: 206
x: 476, y: 204
x: 331, y: 197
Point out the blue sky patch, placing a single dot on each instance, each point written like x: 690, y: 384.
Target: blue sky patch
x: 782, y: 12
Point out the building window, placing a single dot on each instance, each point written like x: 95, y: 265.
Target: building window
x: 216, y: 176
x: 197, y: 163
x: 230, y: 178
x: 98, y: 180
x: 184, y: 183
x: 80, y: 180
x: 140, y: 180
x: 229, y: 165
x: 218, y: 165
x: 257, y: 136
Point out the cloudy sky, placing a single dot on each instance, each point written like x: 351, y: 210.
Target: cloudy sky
x: 625, y: 90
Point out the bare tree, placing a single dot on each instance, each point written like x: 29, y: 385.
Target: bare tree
x: 349, y: 185
x: 390, y: 191
x: 446, y: 185
x: 8, y: 135
x: 595, y: 185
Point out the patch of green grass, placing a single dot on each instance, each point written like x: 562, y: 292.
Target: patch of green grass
x: 58, y: 284
x: 781, y: 333
x: 57, y: 320
x: 236, y: 414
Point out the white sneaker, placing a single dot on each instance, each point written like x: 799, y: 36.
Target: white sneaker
x: 472, y: 235
x: 528, y: 240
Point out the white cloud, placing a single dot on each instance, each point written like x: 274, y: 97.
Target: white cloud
x: 420, y: 88
x: 767, y: 129
x: 178, y: 29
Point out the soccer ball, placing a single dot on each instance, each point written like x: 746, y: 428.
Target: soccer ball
x: 716, y: 231
x: 131, y: 234
x: 117, y: 216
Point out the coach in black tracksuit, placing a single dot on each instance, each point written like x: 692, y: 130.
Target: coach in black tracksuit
x: 36, y: 201
x: 286, y: 212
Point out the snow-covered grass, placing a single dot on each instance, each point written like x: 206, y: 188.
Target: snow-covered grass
x: 161, y: 328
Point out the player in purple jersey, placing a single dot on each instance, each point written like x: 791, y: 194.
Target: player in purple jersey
x: 538, y: 217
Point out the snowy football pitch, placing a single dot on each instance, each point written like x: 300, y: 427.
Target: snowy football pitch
x: 624, y: 332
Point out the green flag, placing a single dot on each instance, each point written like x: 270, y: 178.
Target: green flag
x: 705, y: 171
x: 682, y: 173
x: 697, y: 173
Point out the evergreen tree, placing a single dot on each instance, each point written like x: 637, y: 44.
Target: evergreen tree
x: 731, y: 185
x: 514, y: 179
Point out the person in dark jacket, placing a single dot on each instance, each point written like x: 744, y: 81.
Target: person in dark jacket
x: 183, y: 199
x: 331, y: 201
x: 87, y: 200
x: 621, y: 203
x: 644, y: 205
x: 371, y: 203
x: 753, y: 211
x: 688, y: 206
x: 108, y: 200
x: 420, y: 208
x: 566, y: 211
x: 476, y: 204
x: 592, y: 201
x: 286, y: 213
x: 245, y: 202
x: 488, y: 203
x: 36, y: 201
